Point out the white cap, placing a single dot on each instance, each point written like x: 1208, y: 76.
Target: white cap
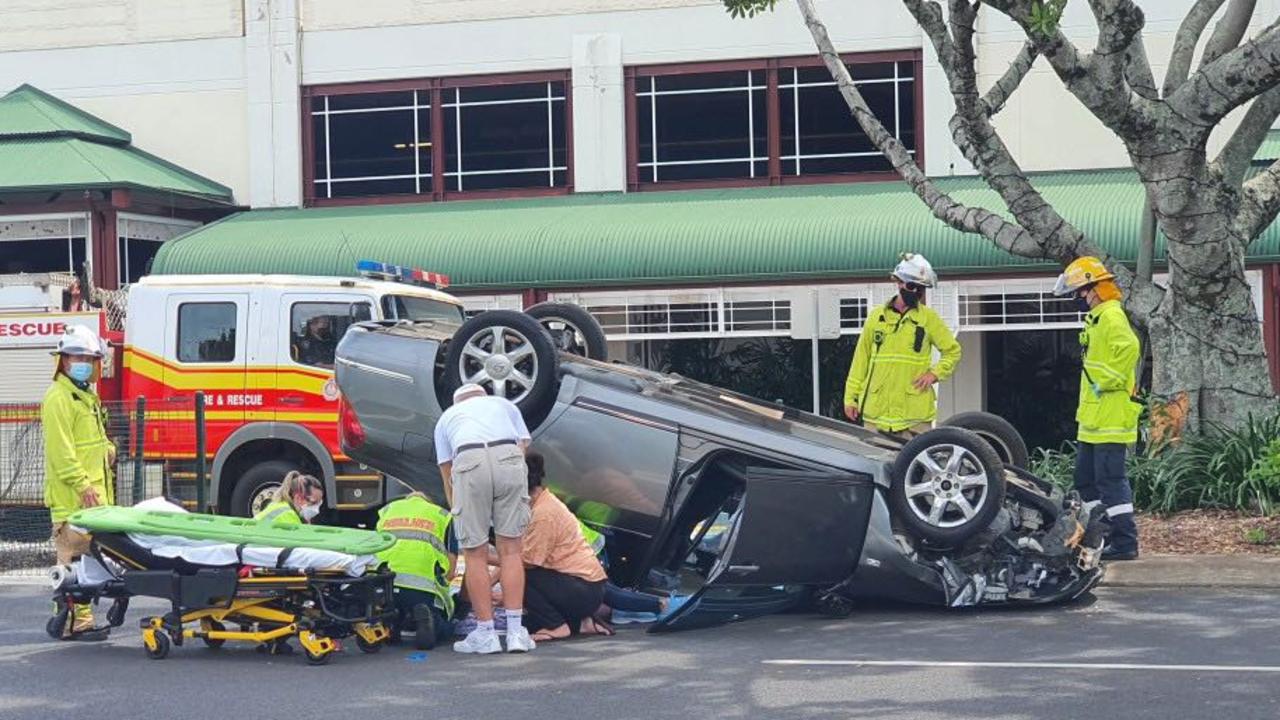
x: 79, y: 340
x: 468, y: 390
x: 914, y: 268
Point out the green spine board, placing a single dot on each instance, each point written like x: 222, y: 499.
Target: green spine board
x: 197, y: 526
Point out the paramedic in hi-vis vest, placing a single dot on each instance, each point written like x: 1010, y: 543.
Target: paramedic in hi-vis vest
x: 1107, y: 414
x: 77, y: 454
x: 424, y: 559
x: 891, y: 379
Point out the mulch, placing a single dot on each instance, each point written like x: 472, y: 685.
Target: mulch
x: 1210, y: 532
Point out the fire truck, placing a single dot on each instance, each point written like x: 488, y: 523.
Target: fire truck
x: 261, y: 350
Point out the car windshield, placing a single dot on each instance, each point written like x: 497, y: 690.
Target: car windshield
x: 420, y: 309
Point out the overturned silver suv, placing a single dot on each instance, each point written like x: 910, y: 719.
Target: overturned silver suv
x: 753, y: 507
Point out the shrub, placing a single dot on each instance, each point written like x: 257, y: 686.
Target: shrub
x: 1221, y: 468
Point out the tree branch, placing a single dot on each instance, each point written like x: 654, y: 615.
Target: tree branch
x: 1230, y: 30
x: 1184, y: 44
x: 1097, y: 80
x: 1233, y: 79
x: 1006, y: 235
x: 999, y: 93
x: 1233, y: 161
x: 1259, y: 203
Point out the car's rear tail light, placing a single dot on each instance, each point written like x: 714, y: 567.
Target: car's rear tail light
x: 350, y: 433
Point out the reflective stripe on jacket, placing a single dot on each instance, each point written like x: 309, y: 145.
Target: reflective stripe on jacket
x: 594, y: 537
x: 76, y: 448
x: 279, y: 513
x: 893, y: 350
x: 420, y: 557
x: 1107, y: 413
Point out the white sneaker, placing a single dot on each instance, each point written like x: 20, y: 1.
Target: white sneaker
x: 479, y: 642
x: 518, y: 640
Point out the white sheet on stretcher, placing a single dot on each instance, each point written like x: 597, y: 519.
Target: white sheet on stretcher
x: 220, y: 554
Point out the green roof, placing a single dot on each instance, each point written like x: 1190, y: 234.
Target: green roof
x: 49, y: 145
x: 693, y: 236
x: 1270, y: 149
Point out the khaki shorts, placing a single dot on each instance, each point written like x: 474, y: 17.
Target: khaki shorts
x: 490, y: 489
x: 68, y: 543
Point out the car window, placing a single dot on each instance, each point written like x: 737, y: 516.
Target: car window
x: 419, y: 309
x: 207, y: 332
x: 316, y: 327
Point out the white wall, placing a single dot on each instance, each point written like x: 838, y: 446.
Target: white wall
x: 964, y: 390
x: 183, y: 101
x: 43, y: 24
x: 341, y: 14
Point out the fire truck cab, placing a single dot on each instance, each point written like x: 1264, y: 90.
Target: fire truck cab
x: 261, y: 348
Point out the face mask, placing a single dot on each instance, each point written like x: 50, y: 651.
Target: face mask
x: 910, y: 298
x: 80, y: 371
x: 1082, y: 304
x: 308, y: 512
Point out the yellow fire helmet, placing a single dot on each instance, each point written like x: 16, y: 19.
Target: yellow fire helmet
x: 1082, y: 272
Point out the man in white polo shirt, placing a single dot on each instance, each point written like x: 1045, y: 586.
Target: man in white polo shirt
x: 480, y: 443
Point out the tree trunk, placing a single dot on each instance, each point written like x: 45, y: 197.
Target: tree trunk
x: 1209, y: 359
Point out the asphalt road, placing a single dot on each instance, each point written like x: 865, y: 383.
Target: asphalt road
x: 1129, y: 654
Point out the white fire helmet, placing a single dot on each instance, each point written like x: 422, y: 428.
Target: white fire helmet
x: 914, y: 268
x: 79, y: 340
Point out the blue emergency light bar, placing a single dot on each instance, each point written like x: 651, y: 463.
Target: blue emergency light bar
x: 399, y: 273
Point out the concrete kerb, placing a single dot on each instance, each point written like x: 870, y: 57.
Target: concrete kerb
x: 1195, y: 571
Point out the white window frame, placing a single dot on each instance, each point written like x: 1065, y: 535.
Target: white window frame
x: 457, y: 104
x: 653, y: 93
x: 53, y: 227
x: 153, y: 229
x: 795, y: 86
x: 476, y: 304
x: 328, y: 180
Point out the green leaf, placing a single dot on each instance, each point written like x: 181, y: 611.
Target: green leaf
x: 748, y: 8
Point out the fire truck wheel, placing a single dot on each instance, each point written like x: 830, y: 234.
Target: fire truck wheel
x: 255, y: 487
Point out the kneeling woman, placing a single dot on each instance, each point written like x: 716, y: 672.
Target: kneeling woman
x: 564, y: 582
x: 298, y: 500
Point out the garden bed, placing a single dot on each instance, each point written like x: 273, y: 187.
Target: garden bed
x: 1210, y: 532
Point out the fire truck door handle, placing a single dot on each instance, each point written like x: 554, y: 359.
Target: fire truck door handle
x: 290, y: 400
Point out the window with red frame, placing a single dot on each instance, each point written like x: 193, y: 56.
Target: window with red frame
x: 438, y: 140
x: 769, y: 121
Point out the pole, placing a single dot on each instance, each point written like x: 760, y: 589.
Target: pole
x: 200, y: 490
x: 816, y: 369
x: 139, y: 433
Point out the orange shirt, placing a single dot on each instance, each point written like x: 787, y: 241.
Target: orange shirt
x: 554, y: 541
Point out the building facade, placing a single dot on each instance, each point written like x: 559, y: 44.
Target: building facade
x: 693, y: 179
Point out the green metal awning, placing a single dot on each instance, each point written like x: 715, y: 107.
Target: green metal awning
x: 657, y: 238
x: 47, y: 145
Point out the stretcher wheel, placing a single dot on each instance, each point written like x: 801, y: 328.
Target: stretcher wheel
x: 115, y: 613
x: 161, y: 650
x: 58, y: 623
x: 321, y: 658
x: 214, y: 626
x: 366, y: 646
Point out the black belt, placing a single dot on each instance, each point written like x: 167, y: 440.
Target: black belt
x: 481, y: 446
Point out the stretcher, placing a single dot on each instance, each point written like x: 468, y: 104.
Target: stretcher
x: 269, y: 593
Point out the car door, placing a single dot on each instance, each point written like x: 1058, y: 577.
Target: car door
x: 205, y: 349
x: 789, y: 529
x: 309, y: 328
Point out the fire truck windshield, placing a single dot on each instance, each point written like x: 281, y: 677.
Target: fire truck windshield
x: 420, y: 309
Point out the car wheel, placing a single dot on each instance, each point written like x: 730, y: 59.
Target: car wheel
x: 572, y: 329
x: 509, y: 354
x: 999, y: 433
x: 256, y: 488
x: 947, y: 485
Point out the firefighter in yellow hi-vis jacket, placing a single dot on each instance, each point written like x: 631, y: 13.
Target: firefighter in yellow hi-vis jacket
x: 1108, y: 413
x: 891, y: 378
x: 77, y: 454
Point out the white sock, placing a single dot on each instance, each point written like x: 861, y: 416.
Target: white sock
x: 515, y: 616
x: 484, y: 625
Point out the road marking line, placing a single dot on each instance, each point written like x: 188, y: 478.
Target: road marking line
x: 1031, y: 665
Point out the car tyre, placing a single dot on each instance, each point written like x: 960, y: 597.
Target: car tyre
x: 507, y: 352
x: 572, y: 329
x: 947, y: 485
x: 253, y: 489
x: 999, y: 433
